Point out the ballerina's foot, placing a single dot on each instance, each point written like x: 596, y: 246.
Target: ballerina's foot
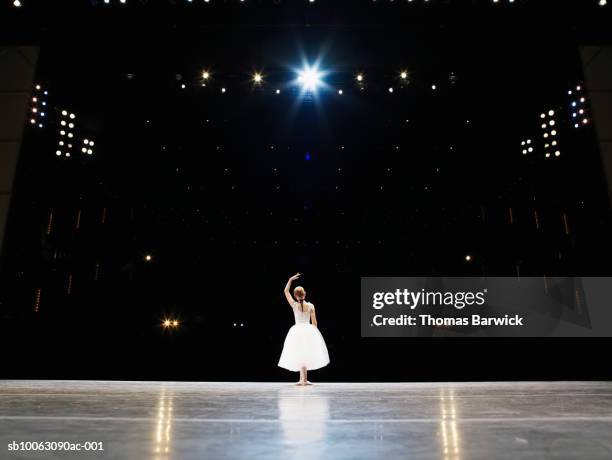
x: 300, y: 384
x: 307, y: 383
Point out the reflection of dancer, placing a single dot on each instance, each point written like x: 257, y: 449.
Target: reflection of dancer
x: 304, y: 349
x: 304, y: 417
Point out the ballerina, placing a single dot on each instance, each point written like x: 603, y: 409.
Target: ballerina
x: 304, y: 349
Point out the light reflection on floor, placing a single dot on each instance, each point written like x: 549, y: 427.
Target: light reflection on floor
x: 451, y: 421
x: 164, y: 426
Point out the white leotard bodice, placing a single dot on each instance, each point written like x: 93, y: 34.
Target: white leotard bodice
x: 302, y: 317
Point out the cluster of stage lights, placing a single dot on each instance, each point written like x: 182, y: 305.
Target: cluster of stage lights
x: 38, y: 106
x: 87, y: 147
x: 578, y: 107
x: 549, y: 126
x: 19, y: 3
x: 67, y: 138
x: 66, y: 134
x: 170, y: 323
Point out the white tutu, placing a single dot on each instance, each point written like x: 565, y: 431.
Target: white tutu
x: 304, y: 346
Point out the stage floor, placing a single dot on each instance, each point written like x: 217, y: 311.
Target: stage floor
x: 164, y: 420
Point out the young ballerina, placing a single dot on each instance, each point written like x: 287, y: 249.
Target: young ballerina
x: 304, y: 349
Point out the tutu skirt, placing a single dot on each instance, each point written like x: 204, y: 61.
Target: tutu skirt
x: 304, y: 347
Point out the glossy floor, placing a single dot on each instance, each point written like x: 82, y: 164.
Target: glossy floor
x: 157, y: 420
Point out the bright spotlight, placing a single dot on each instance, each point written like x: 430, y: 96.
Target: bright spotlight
x: 257, y: 78
x: 310, y: 78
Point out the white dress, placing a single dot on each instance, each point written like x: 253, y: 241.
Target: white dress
x: 304, y: 345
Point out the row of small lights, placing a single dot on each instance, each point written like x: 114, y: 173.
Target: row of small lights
x: 174, y: 324
x: 549, y: 122
x: 578, y: 107
x: 38, y: 106
x: 66, y: 126
x: 18, y: 3
x: 310, y: 78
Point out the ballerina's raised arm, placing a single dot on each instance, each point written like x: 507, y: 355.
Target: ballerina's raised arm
x: 288, y: 296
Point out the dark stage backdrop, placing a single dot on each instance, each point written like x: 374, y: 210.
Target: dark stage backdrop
x: 198, y: 204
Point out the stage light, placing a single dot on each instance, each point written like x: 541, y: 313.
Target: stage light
x: 359, y: 77
x: 166, y: 323
x: 87, y: 146
x: 257, y: 78
x: 579, y: 107
x: 546, y: 126
x: 468, y: 258
x: 175, y: 323
x: 310, y: 78
x: 148, y: 258
x: 37, y: 99
x: 205, y: 75
x: 404, y: 75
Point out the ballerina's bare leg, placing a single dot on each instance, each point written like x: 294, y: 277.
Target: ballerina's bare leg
x: 303, y: 380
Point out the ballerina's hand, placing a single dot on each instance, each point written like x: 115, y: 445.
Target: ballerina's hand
x: 294, y: 277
